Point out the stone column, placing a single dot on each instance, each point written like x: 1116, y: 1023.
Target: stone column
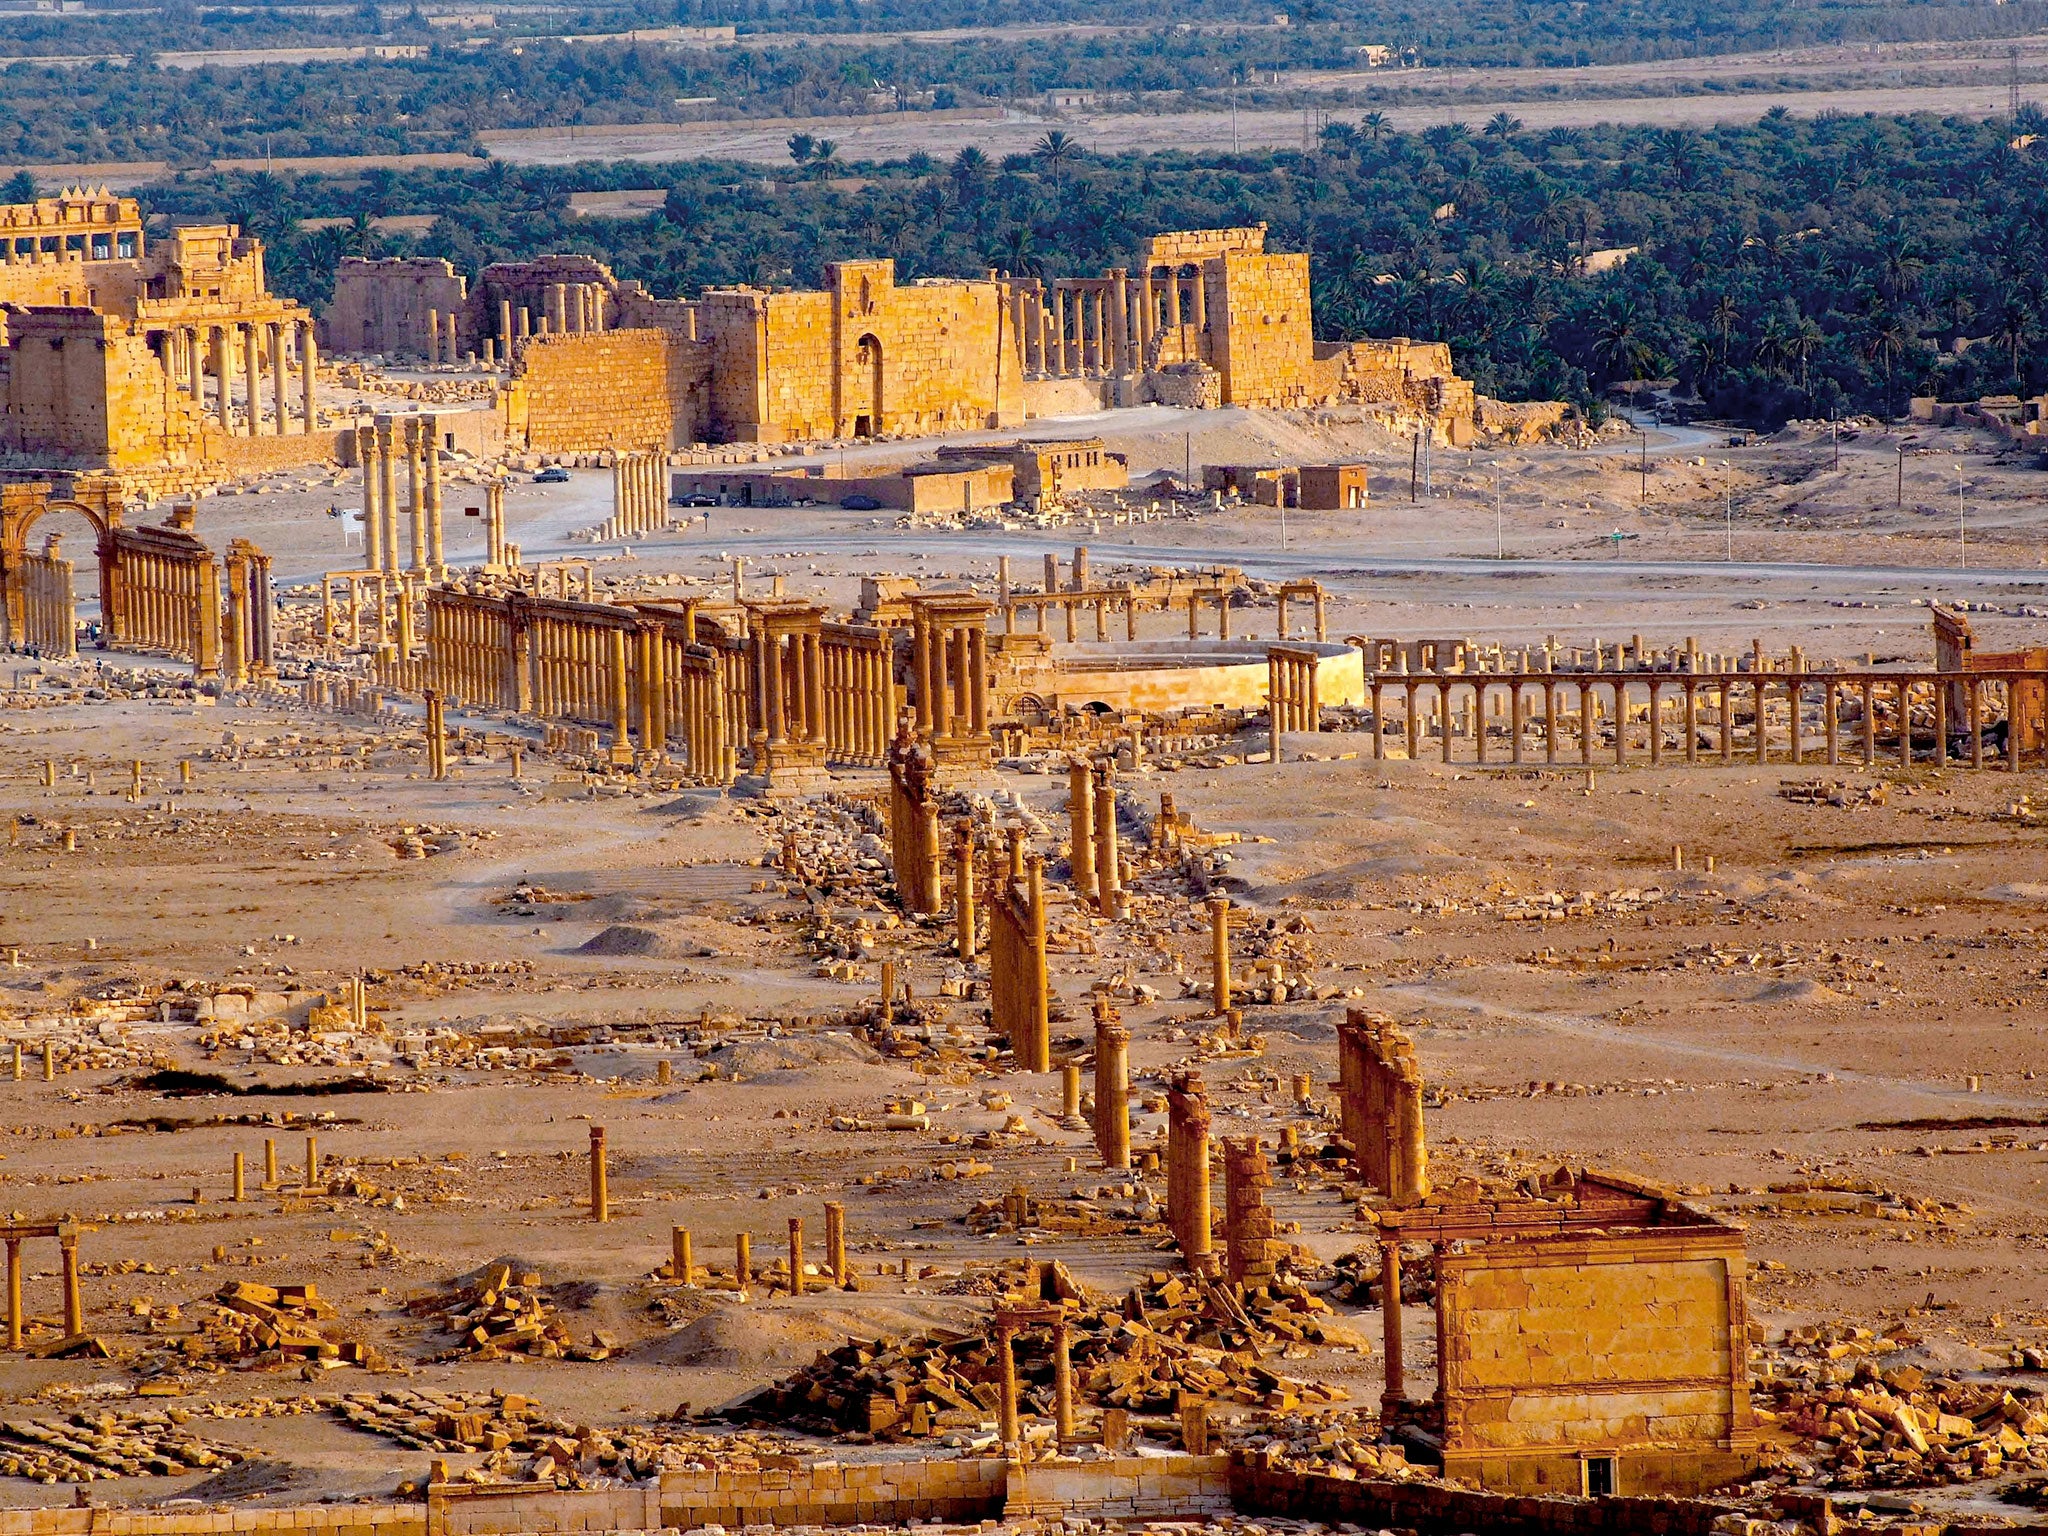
x: 387, y: 493
x: 14, y: 1314
x: 963, y: 890
x: 309, y: 367
x: 622, y: 716
x: 1201, y: 296
x: 1112, y: 1088
x: 415, y: 492
x: 1219, y: 953
x: 1006, y: 1363
x: 74, y: 1310
x: 253, y: 381
x: 600, y: 1193
x: 224, y: 375
x: 1390, y: 1321
x: 558, y: 303
x: 835, y: 1241
x: 1067, y: 349
x: 1108, y: 873
x: 796, y: 1255
x: 1173, y: 300
x: 1119, y: 323
x: 1062, y: 1381
x: 373, y: 516
x: 1081, y: 827
x: 430, y: 433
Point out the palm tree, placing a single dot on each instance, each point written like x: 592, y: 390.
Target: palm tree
x: 1374, y: 126
x: 970, y: 170
x: 1723, y: 316
x: 1502, y: 126
x: 1619, y: 345
x: 801, y: 147
x: 824, y: 159
x: 1056, y: 149
x: 2014, y: 325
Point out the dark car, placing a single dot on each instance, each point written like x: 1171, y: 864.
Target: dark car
x: 860, y: 503
x: 554, y: 474
x: 697, y: 499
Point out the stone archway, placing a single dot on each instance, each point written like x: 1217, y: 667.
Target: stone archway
x: 36, y: 601
x: 868, y: 418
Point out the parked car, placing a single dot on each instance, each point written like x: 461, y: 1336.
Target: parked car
x: 697, y: 499
x: 860, y: 503
x: 554, y: 474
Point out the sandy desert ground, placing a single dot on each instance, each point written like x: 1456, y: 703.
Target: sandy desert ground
x: 1851, y: 1001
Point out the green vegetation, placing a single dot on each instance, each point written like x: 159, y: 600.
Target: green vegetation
x: 1788, y: 267
x: 1158, y: 53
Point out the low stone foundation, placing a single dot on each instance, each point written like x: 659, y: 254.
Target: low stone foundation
x: 1436, y: 1510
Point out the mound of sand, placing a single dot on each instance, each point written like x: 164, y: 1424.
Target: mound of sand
x: 2021, y: 890
x: 649, y: 943
x: 755, y: 1058
x: 1801, y: 991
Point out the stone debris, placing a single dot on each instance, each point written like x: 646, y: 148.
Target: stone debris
x: 1839, y: 793
x: 1173, y: 1337
x: 501, y: 1312
x: 251, y: 1318
x: 524, y: 1441
x: 86, y: 1446
x: 1843, y: 1419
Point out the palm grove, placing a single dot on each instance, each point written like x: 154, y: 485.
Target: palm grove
x: 1787, y: 267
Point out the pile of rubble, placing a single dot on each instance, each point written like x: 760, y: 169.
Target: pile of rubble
x: 1839, y: 793
x: 250, y: 1318
x: 1171, y: 1336
x: 524, y: 1440
x: 497, y: 1312
x: 1340, y: 1442
x: 1866, y: 1425
x: 86, y: 1446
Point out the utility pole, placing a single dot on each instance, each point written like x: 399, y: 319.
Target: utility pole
x: 1643, y: 476
x: 1728, y: 520
x: 1835, y: 439
x: 1188, y: 468
x: 1899, y: 492
x: 1415, y: 464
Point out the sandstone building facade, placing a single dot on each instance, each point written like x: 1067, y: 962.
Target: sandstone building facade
x: 135, y: 355
x: 1202, y: 318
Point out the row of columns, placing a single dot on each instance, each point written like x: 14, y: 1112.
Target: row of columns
x: 1095, y: 854
x: 378, y: 448
x: 1020, y: 998
x: 1292, y: 700
x: 439, y: 344
x: 17, y: 1315
x: 565, y: 308
x: 470, y: 650
x: 172, y: 604
x: 250, y: 646
x: 950, y: 662
x: 860, y: 700
x: 639, y: 497
x: 1379, y: 1097
x: 191, y: 352
x: 787, y: 704
x: 1105, y: 327
x: 1609, y: 696
x: 578, y: 671
x: 46, y: 612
